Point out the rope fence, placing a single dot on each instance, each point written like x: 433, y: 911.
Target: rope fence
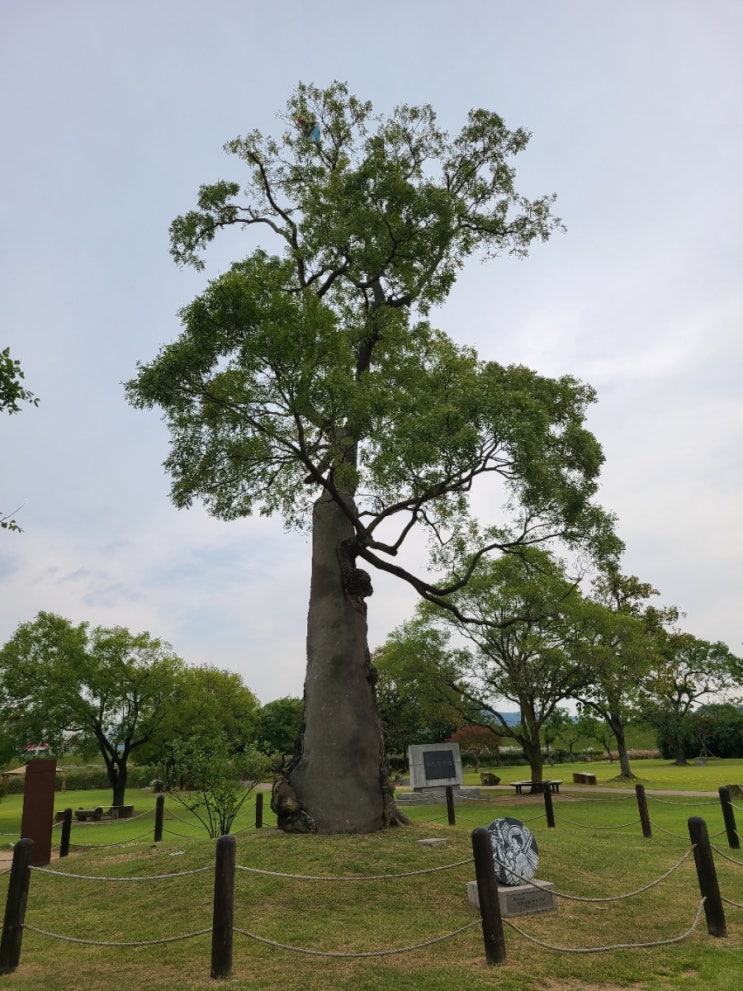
x: 225, y: 869
x: 124, y: 943
x: 353, y: 877
x: 585, y: 825
x: 226, y: 848
x: 550, y: 792
x: 612, y: 946
x: 680, y: 805
x: 362, y: 954
x: 608, y: 898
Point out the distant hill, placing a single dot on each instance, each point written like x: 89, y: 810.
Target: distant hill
x: 510, y: 718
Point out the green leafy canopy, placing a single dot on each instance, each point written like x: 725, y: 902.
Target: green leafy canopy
x: 312, y: 369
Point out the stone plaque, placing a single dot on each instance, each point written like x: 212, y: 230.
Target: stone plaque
x: 435, y: 765
x: 519, y: 899
x: 438, y: 764
x: 515, y: 851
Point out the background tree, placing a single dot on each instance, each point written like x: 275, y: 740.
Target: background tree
x: 620, y: 643
x: 572, y: 732
x: 12, y: 393
x: 208, y: 703
x: 279, y: 725
x: 106, y: 689
x: 477, y: 742
x: 597, y: 730
x: 416, y: 703
x: 521, y: 611
x: 306, y: 383
x: 559, y: 723
x: 687, y: 673
x: 717, y: 730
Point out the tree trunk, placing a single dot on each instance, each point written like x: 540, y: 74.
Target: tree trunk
x: 681, y: 759
x: 532, y: 747
x: 117, y: 776
x: 339, y: 780
x: 625, y: 771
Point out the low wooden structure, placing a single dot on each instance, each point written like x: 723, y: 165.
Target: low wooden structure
x: 536, y: 787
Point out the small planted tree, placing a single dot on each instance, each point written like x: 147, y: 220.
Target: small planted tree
x: 217, y: 782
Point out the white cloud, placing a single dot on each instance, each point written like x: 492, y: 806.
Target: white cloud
x: 635, y: 114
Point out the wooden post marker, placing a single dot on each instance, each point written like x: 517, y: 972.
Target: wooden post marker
x: 64, y: 840
x: 15, y: 906
x: 708, y: 886
x: 549, y: 810
x: 259, y: 810
x: 159, y: 817
x: 642, y: 805
x: 728, y: 816
x: 224, y: 907
x: 487, y: 893
x: 451, y: 815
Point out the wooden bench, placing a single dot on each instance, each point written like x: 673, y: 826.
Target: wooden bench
x: 536, y: 787
x: 583, y: 778
x: 89, y: 815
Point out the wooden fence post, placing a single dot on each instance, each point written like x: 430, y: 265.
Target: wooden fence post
x: 15, y: 906
x: 729, y: 818
x: 642, y: 805
x: 259, y: 810
x: 707, y: 875
x: 549, y: 810
x: 159, y: 817
x: 487, y: 893
x: 64, y: 840
x: 224, y: 907
x: 451, y: 815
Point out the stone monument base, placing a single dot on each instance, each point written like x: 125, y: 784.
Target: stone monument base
x: 519, y: 899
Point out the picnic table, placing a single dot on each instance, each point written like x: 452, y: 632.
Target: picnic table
x: 537, y: 787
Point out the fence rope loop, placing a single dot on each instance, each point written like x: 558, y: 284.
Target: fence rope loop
x: 351, y: 877
x: 608, y: 898
x: 149, y: 877
x: 357, y: 955
x: 614, y: 946
x: 101, y: 942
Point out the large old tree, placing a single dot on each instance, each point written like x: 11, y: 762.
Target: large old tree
x: 307, y: 382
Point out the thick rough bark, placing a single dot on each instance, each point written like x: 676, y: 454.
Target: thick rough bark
x: 117, y: 776
x: 532, y: 747
x: 681, y: 758
x: 625, y: 771
x: 339, y: 780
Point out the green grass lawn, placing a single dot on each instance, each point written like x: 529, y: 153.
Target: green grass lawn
x: 595, y: 851
x: 653, y: 773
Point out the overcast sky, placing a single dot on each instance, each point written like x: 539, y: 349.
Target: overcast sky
x: 111, y: 116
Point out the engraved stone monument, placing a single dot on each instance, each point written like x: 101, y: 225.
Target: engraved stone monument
x: 516, y: 858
